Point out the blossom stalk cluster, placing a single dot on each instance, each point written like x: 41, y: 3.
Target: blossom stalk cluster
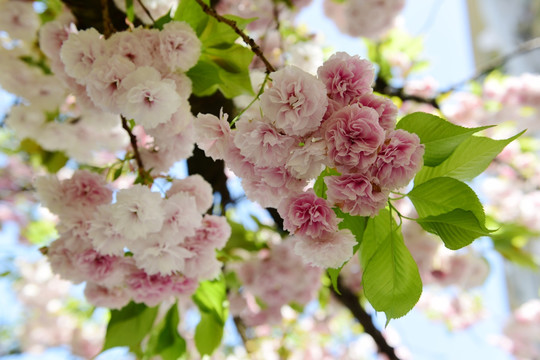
x: 142, y: 247
x: 303, y: 124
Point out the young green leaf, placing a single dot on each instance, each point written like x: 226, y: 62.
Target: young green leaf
x: 129, y: 326
x: 443, y: 194
x: 320, y: 187
x: 390, y: 279
x: 211, y: 298
x: 457, y: 228
x: 357, y: 225
x: 130, y: 12
x: 208, y: 334
x: 167, y: 342
x: 192, y: 13
x: 439, y: 136
x: 205, y: 77
x: 468, y: 160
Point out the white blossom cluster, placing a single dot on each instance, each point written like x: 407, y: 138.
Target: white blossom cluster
x: 142, y: 246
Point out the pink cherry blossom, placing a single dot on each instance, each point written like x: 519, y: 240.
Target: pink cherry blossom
x: 80, y: 51
x: 179, y: 46
x: 110, y: 297
x: 147, y: 98
x: 86, y: 190
x: 307, y: 161
x: 355, y: 194
x: 19, y: 19
x: 400, y: 158
x: 346, y: 77
x: 129, y: 45
x: 307, y: 214
x: 296, y: 102
x: 106, y: 238
x: 213, y: 135
x: 51, y: 37
x: 330, y: 250
x: 103, y: 84
x: 262, y: 143
x: 197, y: 187
x: 384, y: 106
x: 353, y: 136
x: 138, y: 211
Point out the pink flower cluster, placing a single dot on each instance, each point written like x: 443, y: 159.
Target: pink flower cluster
x: 366, y: 18
x: 522, y: 331
x: 290, y: 281
x: 304, y: 123
x: 142, y: 246
x: 139, y: 74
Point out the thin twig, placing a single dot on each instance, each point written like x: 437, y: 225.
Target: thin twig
x: 350, y: 300
x: 146, y: 11
x: 381, y: 86
x: 523, y: 48
x: 137, y: 154
x: 108, y: 27
x: 261, y: 90
x: 249, y: 41
x: 241, y: 327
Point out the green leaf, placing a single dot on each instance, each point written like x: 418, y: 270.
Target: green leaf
x: 208, y: 334
x: 211, y: 299
x: 468, y: 160
x: 205, y: 77
x: 357, y: 225
x: 130, y: 12
x: 54, y: 161
x: 219, y: 35
x: 224, y: 69
x: 439, y: 136
x: 509, y: 240
x: 129, y: 326
x: 166, y: 341
x: 40, y: 232
x: 390, y: 279
x: 320, y: 187
x: 192, y: 13
x: 442, y: 195
x: 457, y: 228
x: 162, y: 21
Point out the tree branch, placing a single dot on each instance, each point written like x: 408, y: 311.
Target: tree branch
x: 249, y: 41
x: 137, y: 154
x: 108, y: 27
x: 350, y: 300
x: 523, y: 48
x: 146, y: 11
x: 381, y: 86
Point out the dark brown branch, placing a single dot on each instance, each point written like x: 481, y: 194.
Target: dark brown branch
x: 350, y: 301
x: 249, y: 41
x: 108, y: 27
x: 136, y: 153
x: 523, y: 48
x: 381, y: 86
x: 241, y: 327
x: 146, y: 11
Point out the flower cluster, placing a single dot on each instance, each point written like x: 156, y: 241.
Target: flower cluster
x: 366, y: 18
x: 138, y: 74
x: 304, y: 123
x: 522, y: 331
x: 291, y: 281
x: 171, y: 245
